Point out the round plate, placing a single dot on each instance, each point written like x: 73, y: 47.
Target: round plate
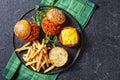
x: 73, y: 52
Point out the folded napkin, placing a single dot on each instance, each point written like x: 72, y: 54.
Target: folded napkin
x: 80, y: 9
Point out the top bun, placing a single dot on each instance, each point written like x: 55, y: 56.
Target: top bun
x: 56, y: 16
x: 22, y: 29
x: 58, y: 56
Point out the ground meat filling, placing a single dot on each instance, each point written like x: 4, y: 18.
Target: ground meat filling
x: 50, y: 28
x: 34, y: 32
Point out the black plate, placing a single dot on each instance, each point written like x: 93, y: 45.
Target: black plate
x: 72, y: 51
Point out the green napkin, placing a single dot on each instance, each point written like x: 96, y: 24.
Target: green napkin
x: 80, y: 9
x: 17, y: 71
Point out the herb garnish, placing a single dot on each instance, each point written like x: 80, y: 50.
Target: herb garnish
x: 51, y: 39
x: 39, y: 15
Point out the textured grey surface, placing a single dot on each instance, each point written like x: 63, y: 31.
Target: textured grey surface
x: 101, y: 58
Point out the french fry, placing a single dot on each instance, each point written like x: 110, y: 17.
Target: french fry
x: 43, y: 63
x: 24, y: 58
x: 25, y: 45
x: 43, y: 41
x: 46, y: 57
x: 24, y: 55
x: 35, y: 44
x: 33, y: 64
x: 21, y: 49
x: 32, y: 52
x: 39, y: 62
x: 49, y: 69
x: 36, y: 52
x: 28, y: 53
x: 47, y: 64
x: 29, y: 63
x: 38, y: 44
x: 45, y: 50
x: 33, y: 68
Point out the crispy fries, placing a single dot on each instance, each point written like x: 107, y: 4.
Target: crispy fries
x: 21, y: 49
x: 26, y: 44
x: 36, y: 56
x: 49, y: 69
x: 29, y: 63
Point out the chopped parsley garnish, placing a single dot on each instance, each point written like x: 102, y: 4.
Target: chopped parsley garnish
x: 52, y: 40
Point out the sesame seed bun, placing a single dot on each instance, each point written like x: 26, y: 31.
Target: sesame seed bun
x: 56, y: 16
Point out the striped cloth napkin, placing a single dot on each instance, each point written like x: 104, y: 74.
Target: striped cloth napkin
x: 80, y: 9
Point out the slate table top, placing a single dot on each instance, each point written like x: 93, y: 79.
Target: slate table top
x: 101, y: 57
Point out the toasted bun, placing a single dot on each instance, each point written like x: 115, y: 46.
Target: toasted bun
x: 58, y: 56
x: 56, y: 16
x: 27, y: 31
x: 49, y: 27
x: 35, y: 31
x: 69, y: 36
x: 22, y: 29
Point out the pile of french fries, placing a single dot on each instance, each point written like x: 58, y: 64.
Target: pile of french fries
x: 37, y: 56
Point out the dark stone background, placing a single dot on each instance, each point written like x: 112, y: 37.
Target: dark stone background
x: 101, y: 58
